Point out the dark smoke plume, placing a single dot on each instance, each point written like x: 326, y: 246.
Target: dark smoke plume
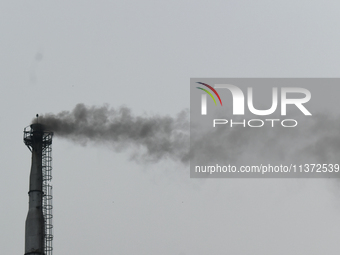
x: 152, y: 138
x: 157, y: 137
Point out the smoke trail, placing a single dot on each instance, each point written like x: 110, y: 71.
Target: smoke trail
x: 157, y: 136
x: 152, y: 138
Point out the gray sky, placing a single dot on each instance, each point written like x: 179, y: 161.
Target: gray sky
x: 141, y: 54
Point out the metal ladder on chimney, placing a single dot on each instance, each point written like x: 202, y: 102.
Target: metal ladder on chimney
x: 47, y: 189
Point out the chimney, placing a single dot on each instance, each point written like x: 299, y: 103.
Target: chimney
x: 38, y: 231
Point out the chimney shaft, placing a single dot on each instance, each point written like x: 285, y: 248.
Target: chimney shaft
x: 35, y: 223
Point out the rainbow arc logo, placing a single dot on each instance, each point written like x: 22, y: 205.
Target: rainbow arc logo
x: 209, y: 93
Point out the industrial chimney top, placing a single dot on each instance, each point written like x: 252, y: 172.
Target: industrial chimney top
x: 36, y: 133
